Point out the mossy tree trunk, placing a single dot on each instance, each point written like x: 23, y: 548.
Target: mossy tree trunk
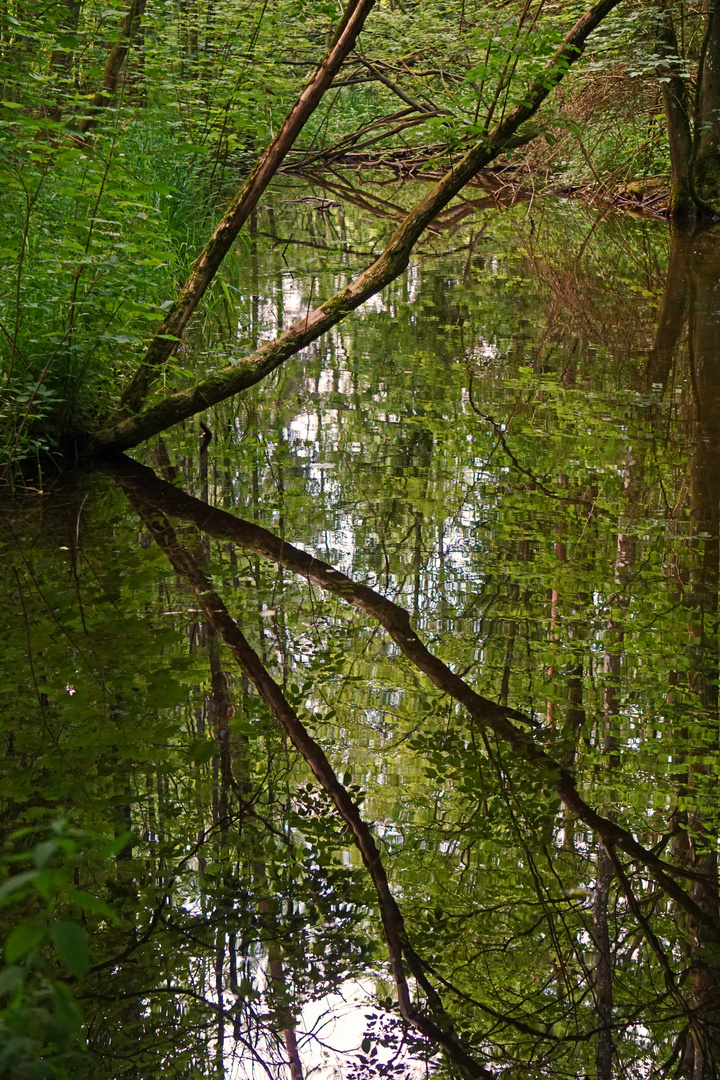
x: 132, y: 426
x: 208, y: 262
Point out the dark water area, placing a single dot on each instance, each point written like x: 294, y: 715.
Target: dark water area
x: 220, y: 731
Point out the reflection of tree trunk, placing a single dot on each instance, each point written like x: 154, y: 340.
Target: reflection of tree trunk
x: 267, y: 905
x: 268, y: 909
x: 670, y: 325
x: 671, y: 317
x: 603, y: 967
x: 220, y: 948
x: 574, y: 720
x: 612, y: 665
x: 524, y: 554
x: 705, y: 515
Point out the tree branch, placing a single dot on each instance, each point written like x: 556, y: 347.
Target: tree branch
x: 123, y: 431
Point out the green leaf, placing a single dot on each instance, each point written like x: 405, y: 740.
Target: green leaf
x: 116, y: 846
x: 89, y: 902
x: 202, y: 751
x: 13, y: 884
x: 44, y: 852
x: 21, y: 940
x: 10, y: 979
x: 70, y: 940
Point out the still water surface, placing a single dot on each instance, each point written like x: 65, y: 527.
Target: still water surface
x: 518, y: 443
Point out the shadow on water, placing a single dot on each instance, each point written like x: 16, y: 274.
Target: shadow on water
x: 402, y: 683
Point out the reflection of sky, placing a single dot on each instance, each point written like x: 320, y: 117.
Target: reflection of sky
x: 281, y: 305
x: 330, y: 1034
x: 314, y: 434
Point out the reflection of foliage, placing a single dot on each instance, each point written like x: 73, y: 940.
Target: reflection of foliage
x: 482, y: 447
x: 260, y: 875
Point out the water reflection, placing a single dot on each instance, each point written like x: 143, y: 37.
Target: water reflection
x: 518, y: 450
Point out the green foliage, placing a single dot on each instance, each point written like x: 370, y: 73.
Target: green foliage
x: 47, y: 950
x: 99, y: 226
x: 108, y: 194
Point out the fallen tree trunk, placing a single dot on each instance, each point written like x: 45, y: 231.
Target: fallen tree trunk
x: 124, y: 431
x: 207, y: 263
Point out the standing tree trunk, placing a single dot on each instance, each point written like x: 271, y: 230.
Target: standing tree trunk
x: 61, y: 61
x: 677, y: 118
x: 707, y: 120
x: 114, y: 63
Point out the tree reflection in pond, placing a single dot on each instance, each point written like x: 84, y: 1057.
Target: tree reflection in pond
x: 409, y: 674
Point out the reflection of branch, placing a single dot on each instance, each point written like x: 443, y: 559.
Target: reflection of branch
x: 140, y: 482
x: 180, y: 992
x: 435, y: 1029
x: 652, y: 940
x: 537, y: 484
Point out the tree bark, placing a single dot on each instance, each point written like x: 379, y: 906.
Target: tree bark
x: 707, y: 120
x: 677, y: 118
x: 114, y: 63
x: 123, y: 431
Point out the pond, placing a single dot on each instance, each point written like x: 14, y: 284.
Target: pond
x: 370, y: 728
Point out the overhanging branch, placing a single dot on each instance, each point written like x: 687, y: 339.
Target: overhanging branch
x: 125, y: 431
